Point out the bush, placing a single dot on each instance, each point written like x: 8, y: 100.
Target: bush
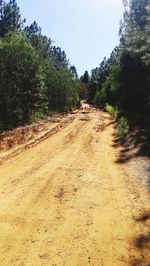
x: 113, y: 111
x: 123, y: 126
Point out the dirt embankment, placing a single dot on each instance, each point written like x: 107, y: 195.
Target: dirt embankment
x: 22, y: 138
x: 67, y: 201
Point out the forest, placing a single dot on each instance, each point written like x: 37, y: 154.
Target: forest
x: 36, y: 77
x: 121, y: 83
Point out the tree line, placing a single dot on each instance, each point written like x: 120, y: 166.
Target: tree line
x: 121, y: 83
x: 35, y: 76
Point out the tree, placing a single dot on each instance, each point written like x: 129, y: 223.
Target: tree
x: 98, y: 77
x: 85, y: 86
x: 21, y: 86
x: 10, y: 18
x: 133, y: 84
x: 59, y: 57
x: 135, y: 60
x: 61, y: 88
x: 85, y: 78
x: 41, y: 43
x: 123, y: 80
x: 35, y: 76
x: 73, y: 72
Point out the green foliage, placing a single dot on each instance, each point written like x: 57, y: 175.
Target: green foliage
x: 84, y: 88
x: 83, y: 91
x: 123, y: 126
x: 10, y: 18
x: 35, y: 77
x: 61, y: 88
x: 122, y: 122
x: 111, y: 86
x: 135, y: 62
x: 41, y: 43
x: 100, y: 98
x: 97, y: 98
x: 85, y: 78
x: 59, y: 57
x: 98, y: 77
x: 73, y: 72
x: 123, y: 80
x: 112, y: 110
x: 21, y: 86
x: 36, y: 116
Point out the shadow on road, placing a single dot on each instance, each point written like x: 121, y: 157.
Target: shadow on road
x: 142, y: 242
x: 135, y: 148
x: 139, y: 140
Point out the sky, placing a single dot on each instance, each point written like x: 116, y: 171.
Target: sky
x: 87, y: 30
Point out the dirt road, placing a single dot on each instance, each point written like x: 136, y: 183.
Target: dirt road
x: 66, y: 202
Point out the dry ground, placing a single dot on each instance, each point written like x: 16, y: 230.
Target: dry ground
x: 66, y: 201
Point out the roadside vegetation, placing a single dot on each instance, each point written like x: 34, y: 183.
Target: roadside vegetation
x: 36, y: 78
x: 121, y: 83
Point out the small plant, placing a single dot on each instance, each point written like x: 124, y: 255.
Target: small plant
x: 112, y: 110
x: 122, y: 122
x: 123, y: 126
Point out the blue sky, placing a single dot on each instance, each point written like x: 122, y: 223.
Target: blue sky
x: 86, y: 29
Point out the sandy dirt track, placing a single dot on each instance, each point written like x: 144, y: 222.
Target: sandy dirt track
x: 66, y: 202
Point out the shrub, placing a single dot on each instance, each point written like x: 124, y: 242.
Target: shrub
x: 123, y: 126
x: 112, y: 110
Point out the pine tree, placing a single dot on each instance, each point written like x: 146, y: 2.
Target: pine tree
x: 10, y: 18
